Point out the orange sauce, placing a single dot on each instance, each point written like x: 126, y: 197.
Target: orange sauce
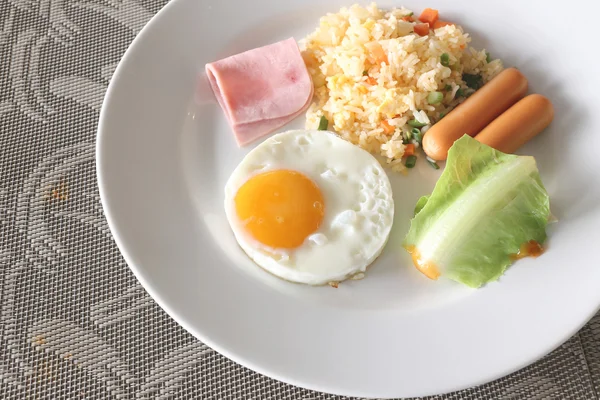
x: 528, y: 249
x: 427, y: 268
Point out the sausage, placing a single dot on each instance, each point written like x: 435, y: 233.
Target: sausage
x: 517, y: 125
x: 475, y: 113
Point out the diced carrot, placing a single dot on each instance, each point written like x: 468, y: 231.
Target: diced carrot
x: 377, y: 52
x: 371, y: 81
x: 429, y: 16
x: 409, y: 150
x: 408, y: 18
x: 387, y: 128
x: 462, y: 46
x: 422, y: 29
x: 439, y: 23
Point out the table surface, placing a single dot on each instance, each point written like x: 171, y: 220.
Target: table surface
x: 74, y: 322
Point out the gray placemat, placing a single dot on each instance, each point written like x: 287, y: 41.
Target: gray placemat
x: 74, y: 323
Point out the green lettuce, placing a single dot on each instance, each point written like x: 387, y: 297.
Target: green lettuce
x: 484, y: 207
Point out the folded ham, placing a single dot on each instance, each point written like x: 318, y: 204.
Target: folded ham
x: 262, y: 89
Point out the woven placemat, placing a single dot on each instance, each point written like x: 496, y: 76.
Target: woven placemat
x: 74, y: 322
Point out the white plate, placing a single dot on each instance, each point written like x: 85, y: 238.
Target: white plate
x: 163, y: 159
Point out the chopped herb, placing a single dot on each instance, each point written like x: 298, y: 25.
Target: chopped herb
x: 435, y: 97
x: 445, y: 59
x: 417, y: 135
x: 323, y: 123
x: 459, y: 93
x: 432, y: 163
x: 488, y: 58
x: 416, y: 124
x: 442, y: 115
x: 410, y: 15
x: 410, y: 161
x: 474, y: 81
x: 365, y: 72
x: 448, y: 88
x: 408, y: 135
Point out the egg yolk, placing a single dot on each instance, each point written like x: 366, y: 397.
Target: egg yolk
x: 280, y: 208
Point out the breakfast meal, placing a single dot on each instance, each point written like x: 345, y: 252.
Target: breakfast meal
x: 310, y: 207
x: 381, y: 89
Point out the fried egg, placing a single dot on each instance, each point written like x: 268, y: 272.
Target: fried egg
x: 310, y: 207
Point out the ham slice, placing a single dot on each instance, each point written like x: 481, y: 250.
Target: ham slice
x: 262, y: 89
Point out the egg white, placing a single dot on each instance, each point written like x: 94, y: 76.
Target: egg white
x: 359, y: 209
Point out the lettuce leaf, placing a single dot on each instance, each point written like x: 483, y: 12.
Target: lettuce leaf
x: 420, y: 204
x: 484, y: 207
